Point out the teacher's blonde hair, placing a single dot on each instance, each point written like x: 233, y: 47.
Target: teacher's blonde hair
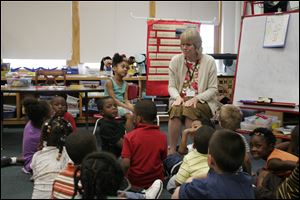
x: 192, y: 36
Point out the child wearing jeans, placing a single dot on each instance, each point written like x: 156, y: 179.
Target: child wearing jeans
x: 110, y: 132
x: 144, y: 148
x: 51, y: 158
x: 226, y: 152
x: 117, y: 88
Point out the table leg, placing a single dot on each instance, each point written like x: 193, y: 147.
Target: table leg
x: 2, y: 117
x: 140, y: 89
x: 86, y: 110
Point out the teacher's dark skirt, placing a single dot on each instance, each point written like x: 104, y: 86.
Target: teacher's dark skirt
x: 202, y: 111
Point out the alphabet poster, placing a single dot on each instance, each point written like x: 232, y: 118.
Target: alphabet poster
x: 163, y: 42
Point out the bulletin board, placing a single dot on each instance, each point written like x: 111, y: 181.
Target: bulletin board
x: 267, y: 72
x: 163, y: 43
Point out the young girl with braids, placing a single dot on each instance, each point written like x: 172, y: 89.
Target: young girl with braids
x: 102, y: 177
x: 117, y: 88
x: 77, y: 146
x: 51, y: 158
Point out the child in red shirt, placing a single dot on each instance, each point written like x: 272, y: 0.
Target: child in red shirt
x: 144, y: 148
x: 59, y: 106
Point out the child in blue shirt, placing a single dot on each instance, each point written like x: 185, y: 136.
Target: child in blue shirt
x: 226, y: 152
x: 117, y: 88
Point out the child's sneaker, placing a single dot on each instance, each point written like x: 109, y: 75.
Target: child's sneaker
x: 25, y: 171
x: 154, y: 191
x: 5, y: 161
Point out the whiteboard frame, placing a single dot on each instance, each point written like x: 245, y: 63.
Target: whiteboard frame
x: 237, y: 94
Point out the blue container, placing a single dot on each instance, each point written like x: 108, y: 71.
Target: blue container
x: 9, y: 114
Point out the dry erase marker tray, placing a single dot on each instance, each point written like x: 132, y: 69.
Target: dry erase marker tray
x: 280, y: 104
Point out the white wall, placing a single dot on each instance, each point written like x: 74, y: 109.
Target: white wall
x: 189, y: 10
x: 107, y: 27
x: 36, y: 30
x: 42, y: 30
x: 230, y: 27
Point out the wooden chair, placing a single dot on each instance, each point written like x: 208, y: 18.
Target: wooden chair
x: 133, y: 91
x: 51, y: 76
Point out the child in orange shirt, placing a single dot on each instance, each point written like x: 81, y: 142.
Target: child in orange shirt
x: 262, y: 145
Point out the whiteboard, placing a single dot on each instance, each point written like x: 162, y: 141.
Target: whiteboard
x: 267, y: 72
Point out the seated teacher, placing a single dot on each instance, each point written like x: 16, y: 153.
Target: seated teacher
x: 192, y: 86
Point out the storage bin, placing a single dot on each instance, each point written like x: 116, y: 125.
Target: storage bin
x: 19, y: 82
x: 9, y: 114
x: 251, y: 127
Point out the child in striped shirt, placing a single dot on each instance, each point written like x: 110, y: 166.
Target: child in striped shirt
x: 77, y: 146
x: 195, y: 162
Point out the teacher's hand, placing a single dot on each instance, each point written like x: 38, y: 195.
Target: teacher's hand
x: 178, y: 101
x: 191, y: 102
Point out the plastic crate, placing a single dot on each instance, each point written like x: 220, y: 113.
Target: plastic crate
x: 19, y: 82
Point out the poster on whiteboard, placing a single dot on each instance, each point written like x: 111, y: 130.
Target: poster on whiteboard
x: 276, y: 30
x: 163, y: 42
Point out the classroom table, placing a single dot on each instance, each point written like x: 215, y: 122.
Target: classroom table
x: 49, y: 90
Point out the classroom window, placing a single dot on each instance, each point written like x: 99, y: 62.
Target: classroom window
x: 207, y: 33
x: 35, y: 63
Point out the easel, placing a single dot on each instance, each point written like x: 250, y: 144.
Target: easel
x: 257, y: 76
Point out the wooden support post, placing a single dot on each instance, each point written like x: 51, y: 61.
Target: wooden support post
x: 218, y: 31
x: 152, y: 9
x: 75, y: 34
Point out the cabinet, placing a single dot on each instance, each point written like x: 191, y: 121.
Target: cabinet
x: 226, y: 65
x: 14, y: 100
x: 225, y: 87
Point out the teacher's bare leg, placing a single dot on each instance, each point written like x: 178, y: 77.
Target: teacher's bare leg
x: 174, y: 127
x: 188, y: 122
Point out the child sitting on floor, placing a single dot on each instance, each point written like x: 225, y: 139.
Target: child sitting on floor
x: 110, y: 132
x: 279, y: 164
x: 291, y: 146
x: 59, y: 106
x: 262, y: 145
x: 77, y: 146
x: 144, y: 148
x: 37, y: 112
x: 117, y: 88
x: 173, y: 161
x: 102, y: 176
x: 226, y: 152
x: 51, y: 158
x: 230, y: 117
x: 195, y: 162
